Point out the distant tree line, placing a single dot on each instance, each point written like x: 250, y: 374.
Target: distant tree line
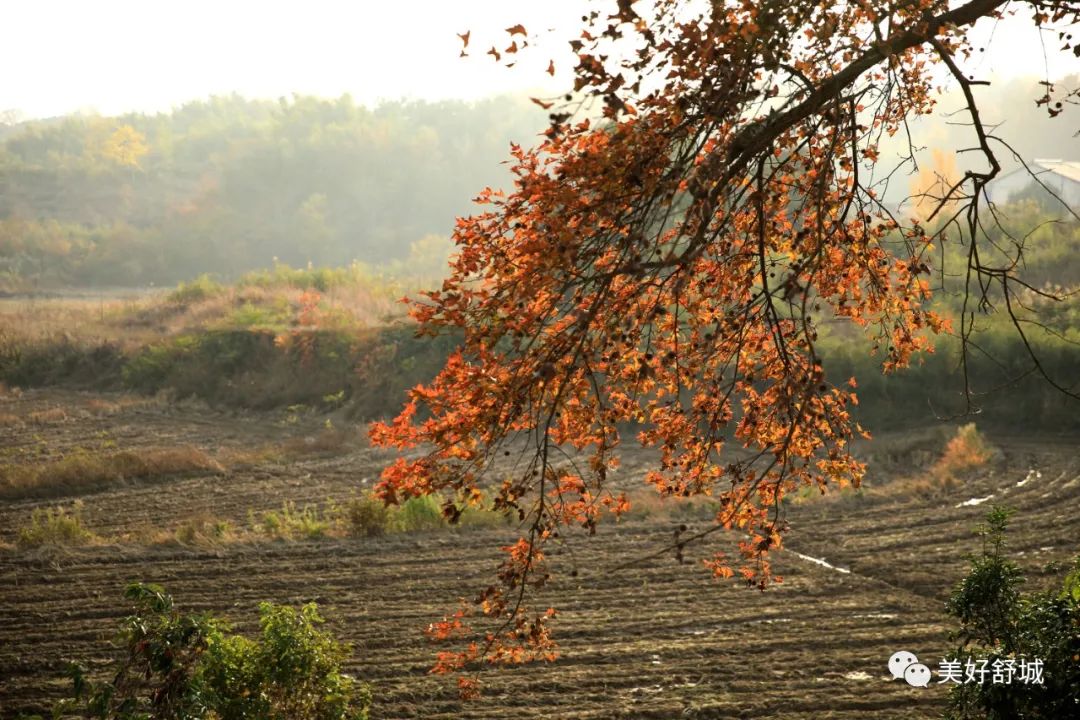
x: 227, y: 185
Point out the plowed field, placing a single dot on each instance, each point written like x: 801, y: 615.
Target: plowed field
x: 659, y: 639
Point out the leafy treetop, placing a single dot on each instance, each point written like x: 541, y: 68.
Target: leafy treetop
x: 700, y: 204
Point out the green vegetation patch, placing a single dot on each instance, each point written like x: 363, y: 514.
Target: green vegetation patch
x: 55, y: 526
x: 178, y: 666
x: 999, y: 623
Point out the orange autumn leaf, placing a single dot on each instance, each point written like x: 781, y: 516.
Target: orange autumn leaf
x: 659, y: 275
x: 468, y: 689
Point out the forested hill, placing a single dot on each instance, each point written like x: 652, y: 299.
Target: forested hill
x: 227, y: 185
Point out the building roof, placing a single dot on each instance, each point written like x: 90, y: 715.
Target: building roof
x: 1068, y: 169
x: 1041, y: 169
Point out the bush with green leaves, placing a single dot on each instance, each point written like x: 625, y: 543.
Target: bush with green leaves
x: 999, y: 622
x: 365, y: 516
x: 199, y: 289
x: 49, y: 526
x: 419, y: 514
x: 291, y: 522
x: 183, y: 667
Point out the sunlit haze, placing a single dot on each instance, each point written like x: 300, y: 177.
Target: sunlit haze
x: 117, y: 56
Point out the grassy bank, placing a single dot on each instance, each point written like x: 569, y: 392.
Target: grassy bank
x: 323, y: 338
x: 337, y: 338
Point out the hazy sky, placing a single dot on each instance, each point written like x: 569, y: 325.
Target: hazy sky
x: 115, y: 56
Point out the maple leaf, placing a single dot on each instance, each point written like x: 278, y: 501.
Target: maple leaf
x: 668, y: 269
x: 468, y: 689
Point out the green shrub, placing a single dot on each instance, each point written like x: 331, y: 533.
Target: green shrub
x: 366, y: 516
x: 310, y: 278
x: 999, y: 622
x: 290, y: 523
x: 199, y: 289
x: 55, y: 526
x: 249, y: 315
x: 59, y: 359
x: 150, y: 369
x: 246, y: 367
x: 485, y: 516
x: 419, y: 514
x: 204, y: 531
x: 1000, y: 372
x: 190, y: 666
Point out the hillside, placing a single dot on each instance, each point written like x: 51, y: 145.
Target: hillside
x: 228, y: 185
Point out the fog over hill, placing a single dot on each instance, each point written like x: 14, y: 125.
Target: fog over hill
x: 227, y: 184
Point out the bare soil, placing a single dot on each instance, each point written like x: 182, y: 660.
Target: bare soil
x: 659, y: 639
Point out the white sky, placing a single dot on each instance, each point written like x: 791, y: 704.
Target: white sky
x: 115, y: 56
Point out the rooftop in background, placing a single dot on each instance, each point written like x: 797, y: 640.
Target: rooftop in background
x: 1069, y: 169
x: 1060, y: 176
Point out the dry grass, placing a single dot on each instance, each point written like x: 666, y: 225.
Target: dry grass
x: 361, y: 516
x: 48, y: 417
x: 9, y: 420
x: 135, y: 320
x: 174, y: 460
x: 936, y: 488
x: 206, y: 531
x: 35, y: 320
x: 56, y: 527
x: 966, y: 451
x: 198, y: 531
x: 99, y: 407
x: 844, y: 496
x: 365, y: 515
x: 82, y: 469
x: 646, y: 503
x: 327, y: 440
x: 250, y: 457
x: 219, y: 343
